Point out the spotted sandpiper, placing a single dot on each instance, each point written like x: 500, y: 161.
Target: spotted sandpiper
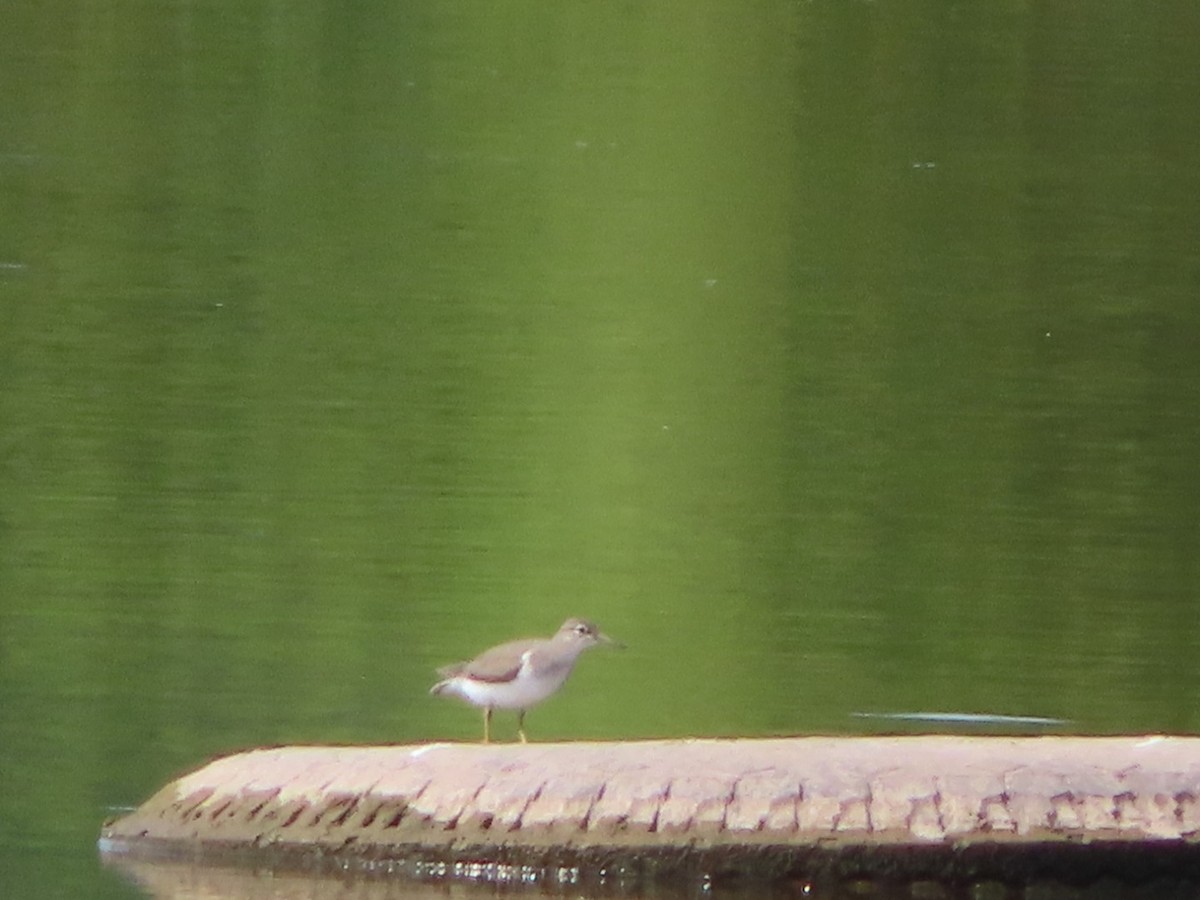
x: 519, y: 674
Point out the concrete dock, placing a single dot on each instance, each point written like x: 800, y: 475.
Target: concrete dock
x: 797, y: 808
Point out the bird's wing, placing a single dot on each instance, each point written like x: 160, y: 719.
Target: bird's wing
x: 499, y: 664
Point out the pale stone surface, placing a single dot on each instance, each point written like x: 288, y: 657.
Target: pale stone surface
x: 763, y: 800
x: 800, y: 792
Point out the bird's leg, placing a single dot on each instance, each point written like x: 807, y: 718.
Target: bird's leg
x: 521, y: 726
x: 487, y: 724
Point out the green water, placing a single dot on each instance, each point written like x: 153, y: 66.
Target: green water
x: 835, y: 356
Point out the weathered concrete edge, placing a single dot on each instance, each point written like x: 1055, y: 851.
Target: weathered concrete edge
x: 470, y: 805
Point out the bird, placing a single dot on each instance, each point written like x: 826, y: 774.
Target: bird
x: 519, y: 674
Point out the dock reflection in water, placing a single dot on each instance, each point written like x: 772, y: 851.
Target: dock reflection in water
x: 188, y: 881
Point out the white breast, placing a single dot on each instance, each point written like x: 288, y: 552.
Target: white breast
x: 521, y: 693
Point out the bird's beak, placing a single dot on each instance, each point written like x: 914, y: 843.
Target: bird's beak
x: 605, y: 639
